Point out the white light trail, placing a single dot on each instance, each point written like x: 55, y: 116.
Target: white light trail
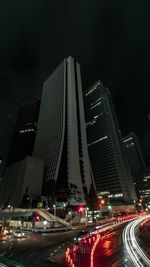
x: 137, y: 255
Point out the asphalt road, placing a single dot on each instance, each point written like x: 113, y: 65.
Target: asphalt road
x: 47, y: 250
x: 110, y: 252
x: 135, y: 255
x: 145, y: 240
x: 38, y: 249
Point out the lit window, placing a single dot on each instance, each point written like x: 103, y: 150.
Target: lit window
x: 103, y: 193
x: 116, y: 195
x: 27, y: 130
x: 92, y: 122
x: 93, y: 88
x: 96, y: 105
x: 98, y: 140
x: 96, y: 101
x: 128, y: 139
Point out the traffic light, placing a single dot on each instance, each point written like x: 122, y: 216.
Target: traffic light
x: 81, y: 209
x: 37, y: 218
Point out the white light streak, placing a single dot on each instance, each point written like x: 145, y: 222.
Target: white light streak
x: 135, y: 252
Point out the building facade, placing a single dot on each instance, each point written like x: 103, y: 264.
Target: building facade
x: 134, y: 154
x: 136, y: 161
x: 21, y: 177
x: 61, y: 134
x: 107, y: 155
x: 25, y: 131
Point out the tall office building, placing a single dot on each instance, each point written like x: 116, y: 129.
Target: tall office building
x: 107, y: 155
x: 24, y: 176
x: 136, y: 162
x: 61, y: 134
x: 25, y: 131
x: 134, y: 154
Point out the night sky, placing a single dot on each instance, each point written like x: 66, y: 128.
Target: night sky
x: 109, y: 38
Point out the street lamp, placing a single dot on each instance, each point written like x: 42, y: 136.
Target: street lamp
x: 70, y: 213
x: 135, y: 205
x: 110, y: 208
x: 54, y: 206
x: 86, y: 215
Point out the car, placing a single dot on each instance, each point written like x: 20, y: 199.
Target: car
x: 81, y: 235
x: 19, y: 233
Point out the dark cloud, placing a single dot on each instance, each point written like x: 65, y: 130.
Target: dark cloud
x: 109, y: 38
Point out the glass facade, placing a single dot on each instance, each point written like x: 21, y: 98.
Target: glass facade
x: 25, y: 131
x: 106, y: 152
x: 61, y: 134
x: 134, y: 154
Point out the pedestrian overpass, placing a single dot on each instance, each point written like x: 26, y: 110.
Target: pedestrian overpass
x: 27, y: 218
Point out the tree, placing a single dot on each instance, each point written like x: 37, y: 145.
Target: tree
x: 73, y: 193
x: 25, y: 203
x: 92, y: 200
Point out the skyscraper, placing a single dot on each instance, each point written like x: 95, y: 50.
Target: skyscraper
x: 25, y: 131
x: 134, y: 154
x: 107, y: 155
x: 24, y: 176
x: 61, y: 134
x: 136, y: 162
x: 23, y: 171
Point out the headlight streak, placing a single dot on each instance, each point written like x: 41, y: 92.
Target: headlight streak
x: 135, y: 252
x: 130, y: 250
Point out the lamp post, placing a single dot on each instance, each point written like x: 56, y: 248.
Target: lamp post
x: 30, y: 202
x: 86, y: 216
x: 54, y: 206
x: 70, y: 213
x: 110, y: 208
x: 135, y: 206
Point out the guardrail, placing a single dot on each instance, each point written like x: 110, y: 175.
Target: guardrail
x: 47, y: 230
x: 82, y: 254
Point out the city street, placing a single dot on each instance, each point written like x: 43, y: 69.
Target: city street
x: 44, y: 249
x: 134, y: 253
x: 117, y: 247
x: 36, y: 249
x: 116, y: 251
x: 109, y: 252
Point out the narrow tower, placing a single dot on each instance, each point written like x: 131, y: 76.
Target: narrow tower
x: 61, y: 134
x: 134, y: 154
